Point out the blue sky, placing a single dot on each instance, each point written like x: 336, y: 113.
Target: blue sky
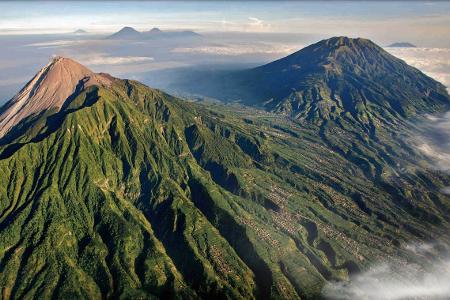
x: 427, y: 20
x: 31, y: 32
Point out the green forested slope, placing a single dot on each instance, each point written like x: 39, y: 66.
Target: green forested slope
x: 128, y: 192
x: 333, y: 79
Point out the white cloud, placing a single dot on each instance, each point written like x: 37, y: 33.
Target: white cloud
x: 251, y: 24
x: 446, y: 190
x: 240, y: 49
x: 103, y: 59
x: 255, y: 21
x: 55, y: 44
x: 441, y: 157
x: 256, y: 24
x: 434, y: 142
x: 434, y: 62
x: 397, y: 280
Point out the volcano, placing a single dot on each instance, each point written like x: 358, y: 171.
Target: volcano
x: 111, y: 189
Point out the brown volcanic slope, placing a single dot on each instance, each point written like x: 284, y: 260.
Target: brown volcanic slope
x: 49, y: 89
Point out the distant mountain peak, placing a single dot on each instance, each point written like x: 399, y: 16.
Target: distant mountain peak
x: 129, y: 33
x: 49, y: 89
x: 80, y: 31
x: 402, y: 45
x: 171, y: 33
x: 155, y: 30
x: 128, y: 29
x: 125, y: 33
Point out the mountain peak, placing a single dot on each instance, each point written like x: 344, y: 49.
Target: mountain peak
x: 339, y: 41
x: 49, y: 89
x: 125, y: 33
x: 402, y: 45
x: 67, y: 62
x: 342, y: 44
x: 128, y: 29
x: 80, y: 31
x: 337, y: 78
x: 332, y: 53
x: 155, y: 30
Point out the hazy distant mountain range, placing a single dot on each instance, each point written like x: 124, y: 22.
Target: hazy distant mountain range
x: 129, y: 33
x: 402, y: 45
x: 80, y: 31
x: 118, y: 190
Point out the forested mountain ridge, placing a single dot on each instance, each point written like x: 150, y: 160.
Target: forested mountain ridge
x: 125, y: 191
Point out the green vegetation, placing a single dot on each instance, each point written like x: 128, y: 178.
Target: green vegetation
x: 131, y: 193
x: 128, y: 192
x: 332, y: 79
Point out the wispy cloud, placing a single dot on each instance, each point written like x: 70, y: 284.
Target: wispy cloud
x: 434, y: 142
x: 241, y: 49
x: 55, y: 44
x: 435, y: 62
x: 256, y: 24
x: 446, y: 190
x: 99, y: 59
x: 392, y: 280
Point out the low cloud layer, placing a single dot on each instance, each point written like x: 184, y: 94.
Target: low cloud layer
x: 239, y: 49
x: 434, y: 62
x: 435, y: 141
x: 55, y: 44
x: 116, y: 60
x: 397, y: 281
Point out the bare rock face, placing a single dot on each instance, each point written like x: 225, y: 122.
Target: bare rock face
x: 49, y: 89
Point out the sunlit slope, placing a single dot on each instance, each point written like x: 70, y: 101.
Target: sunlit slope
x: 129, y: 192
x: 339, y: 78
x: 346, y: 78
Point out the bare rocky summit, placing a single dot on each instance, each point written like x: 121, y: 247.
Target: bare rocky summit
x: 49, y: 89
